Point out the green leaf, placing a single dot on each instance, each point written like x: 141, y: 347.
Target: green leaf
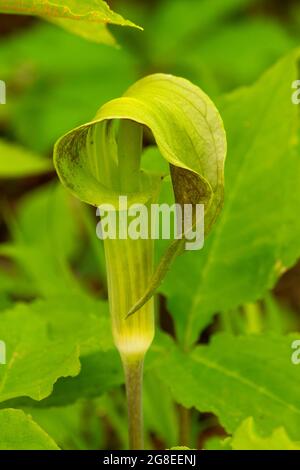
x: 100, y: 372
x: 240, y: 260
x: 180, y: 448
x: 247, y: 438
x: 19, y: 432
x: 98, y: 33
x: 17, y: 162
x: 87, y: 18
x: 44, y: 341
x: 77, y: 319
x: 34, y: 360
x: 238, y: 377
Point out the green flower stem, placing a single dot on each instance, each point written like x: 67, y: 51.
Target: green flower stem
x: 129, y: 268
x: 184, y: 425
x: 133, y: 367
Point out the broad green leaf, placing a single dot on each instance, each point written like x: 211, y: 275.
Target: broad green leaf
x: 247, y: 438
x: 101, y: 371
x: 77, y: 319
x: 17, y: 162
x: 87, y: 18
x: 238, y: 377
x: 34, y: 360
x: 19, y: 432
x: 44, y: 341
x: 257, y: 236
x: 189, y: 133
x: 98, y: 33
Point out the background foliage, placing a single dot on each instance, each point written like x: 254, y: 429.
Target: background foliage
x: 227, y: 315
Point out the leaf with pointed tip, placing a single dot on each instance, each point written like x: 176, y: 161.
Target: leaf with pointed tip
x: 86, y: 18
x: 235, y: 377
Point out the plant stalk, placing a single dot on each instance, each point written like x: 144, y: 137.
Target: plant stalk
x: 133, y: 368
x: 184, y: 425
x: 129, y: 267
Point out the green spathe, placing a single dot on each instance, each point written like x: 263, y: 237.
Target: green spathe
x: 189, y: 134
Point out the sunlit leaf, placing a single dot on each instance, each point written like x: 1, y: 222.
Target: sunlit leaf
x: 19, y: 432
x: 247, y: 438
x: 87, y: 18
x: 241, y: 260
x: 44, y: 341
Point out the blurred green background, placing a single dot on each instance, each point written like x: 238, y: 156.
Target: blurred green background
x: 56, y: 81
